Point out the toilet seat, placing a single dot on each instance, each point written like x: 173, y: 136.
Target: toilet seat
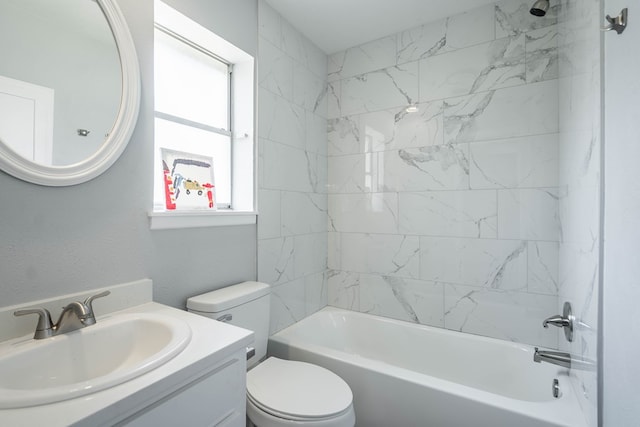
x: 298, y: 391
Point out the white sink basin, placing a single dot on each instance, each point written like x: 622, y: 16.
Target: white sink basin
x: 114, y: 350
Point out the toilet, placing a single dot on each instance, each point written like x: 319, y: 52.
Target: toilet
x: 279, y: 392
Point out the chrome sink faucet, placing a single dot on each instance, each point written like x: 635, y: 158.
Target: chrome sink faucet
x: 75, y: 315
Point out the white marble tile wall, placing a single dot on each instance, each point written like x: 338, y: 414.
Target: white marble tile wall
x: 292, y: 169
x: 449, y: 216
x: 579, y: 60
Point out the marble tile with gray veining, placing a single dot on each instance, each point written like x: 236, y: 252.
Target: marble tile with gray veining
x: 411, y: 300
x: 269, y: 218
x: 380, y: 90
x: 542, y: 54
x: 334, y: 99
x: 580, y: 155
x: 530, y: 161
x: 303, y: 213
x: 391, y: 255
x: 364, y: 213
x: 275, y: 260
x: 422, y: 42
x: 487, y: 263
x: 348, y: 174
x: 493, y: 65
x: 504, y: 113
x: 513, y: 17
x: 276, y: 70
x: 579, y: 277
x: 449, y: 213
x: 335, y: 254
x: 308, y: 90
x: 288, y: 304
x: 269, y: 24
x: 543, y: 268
x: 367, y: 57
x: 529, y: 214
x: 316, y: 134
x: 576, y: 42
x: 511, y: 316
x: 397, y: 128
x: 578, y: 274
x: 322, y: 174
x: 310, y: 255
x: 315, y: 292
x: 280, y: 120
x: 580, y: 217
x: 317, y: 170
x: 439, y: 167
x: 288, y: 168
x: 317, y: 60
x: 343, y: 289
x: 344, y: 136
x: 294, y: 43
x: 455, y: 32
x: 321, y: 103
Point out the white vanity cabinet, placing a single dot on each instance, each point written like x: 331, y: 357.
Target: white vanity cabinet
x: 202, y: 385
x: 217, y: 398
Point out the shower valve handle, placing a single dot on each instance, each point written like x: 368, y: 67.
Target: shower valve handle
x: 565, y: 321
x: 557, y: 320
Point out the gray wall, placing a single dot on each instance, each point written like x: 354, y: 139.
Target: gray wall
x: 60, y: 240
x: 621, y: 292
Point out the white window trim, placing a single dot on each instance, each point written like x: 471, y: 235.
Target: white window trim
x: 196, y: 219
x: 244, y: 145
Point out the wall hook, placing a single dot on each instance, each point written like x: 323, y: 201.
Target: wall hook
x: 619, y: 23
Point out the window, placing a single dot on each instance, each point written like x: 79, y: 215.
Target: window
x: 204, y: 105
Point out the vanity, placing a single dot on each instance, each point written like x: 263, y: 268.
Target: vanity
x: 162, y: 366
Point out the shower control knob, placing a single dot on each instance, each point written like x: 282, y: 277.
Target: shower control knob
x: 565, y: 321
x: 558, y: 321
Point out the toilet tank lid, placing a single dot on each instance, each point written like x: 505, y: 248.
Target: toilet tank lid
x: 228, y: 297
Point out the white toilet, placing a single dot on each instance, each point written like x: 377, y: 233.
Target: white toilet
x: 279, y: 392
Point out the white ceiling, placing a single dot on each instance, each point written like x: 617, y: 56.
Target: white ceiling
x: 334, y: 25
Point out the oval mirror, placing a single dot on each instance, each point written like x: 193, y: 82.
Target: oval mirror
x: 69, y: 89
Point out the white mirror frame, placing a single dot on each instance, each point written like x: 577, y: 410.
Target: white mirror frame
x: 113, y: 146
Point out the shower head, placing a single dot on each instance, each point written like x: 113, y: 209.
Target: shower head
x: 540, y: 8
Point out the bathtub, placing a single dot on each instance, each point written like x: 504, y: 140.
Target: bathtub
x: 403, y: 374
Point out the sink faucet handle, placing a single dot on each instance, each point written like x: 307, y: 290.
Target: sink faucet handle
x: 89, y: 301
x: 44, y: 329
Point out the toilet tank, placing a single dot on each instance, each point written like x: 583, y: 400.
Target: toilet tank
x: 245, y: 305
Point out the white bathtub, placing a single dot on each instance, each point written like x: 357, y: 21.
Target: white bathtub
x: 410, y: 375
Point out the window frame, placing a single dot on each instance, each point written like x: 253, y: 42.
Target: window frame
x: 227, y: 205
x: 241, y: 122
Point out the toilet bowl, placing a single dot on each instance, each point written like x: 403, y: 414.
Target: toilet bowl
x: 286, y: 393
x: 279, y: 392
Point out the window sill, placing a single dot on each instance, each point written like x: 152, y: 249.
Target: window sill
x: 194, y: 219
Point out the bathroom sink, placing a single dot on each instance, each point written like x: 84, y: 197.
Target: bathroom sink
x: 116, y: 349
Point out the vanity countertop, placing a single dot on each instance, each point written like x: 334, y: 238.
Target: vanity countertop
x: 211, y: 342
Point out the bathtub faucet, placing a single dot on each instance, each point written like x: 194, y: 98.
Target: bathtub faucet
x: 563, y: 359
x: 555, y: 357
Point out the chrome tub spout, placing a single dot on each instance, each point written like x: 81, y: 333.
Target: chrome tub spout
x: 563, y: 359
